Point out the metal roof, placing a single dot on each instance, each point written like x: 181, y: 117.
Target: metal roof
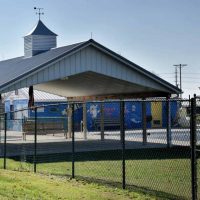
x: 15, y: 69
x: 41, y: 29
x: 39, y: 96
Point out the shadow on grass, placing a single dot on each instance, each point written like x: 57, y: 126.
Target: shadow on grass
x: 109, y: 155
x: 143, y: 190
x: 131, y: 188
x: 177, y: 152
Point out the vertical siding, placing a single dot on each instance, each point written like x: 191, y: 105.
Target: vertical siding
x: 84, y: 59
x: 46, y: 74
x: 73, y: 64
x: 88, y: 59
x: 67, y: 66
x: 98, y: 61
x: 51, y: 73
x: 62, y: 70
x: 40, y: 76
x: 78, y: 61
x: 57, y: 70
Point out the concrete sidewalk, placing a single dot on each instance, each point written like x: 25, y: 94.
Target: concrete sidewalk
x: 47, y: 144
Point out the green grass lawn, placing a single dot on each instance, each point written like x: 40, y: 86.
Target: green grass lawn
x: 24, y: 185
x: 165, y: 174
x: 166, y: 177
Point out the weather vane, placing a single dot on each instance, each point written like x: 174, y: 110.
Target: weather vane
x: 39, y: 11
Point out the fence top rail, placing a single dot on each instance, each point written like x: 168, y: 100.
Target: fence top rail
x: 104, y: 101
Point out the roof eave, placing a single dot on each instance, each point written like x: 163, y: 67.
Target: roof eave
x: 174, y: 89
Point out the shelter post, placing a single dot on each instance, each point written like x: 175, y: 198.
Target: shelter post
x: 102, y: 121
x: 144, y: 121
x: 85, y: 120
x: 168, y: 112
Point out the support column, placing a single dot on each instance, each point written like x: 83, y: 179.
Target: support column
x: 102, y: 121
x: 69, y: 122
x: 85, y: 121
x: 144, y: 122
x: 169, y: 132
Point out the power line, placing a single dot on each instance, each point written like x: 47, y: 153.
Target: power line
x: 183, y: 73
x: 167, y: 77
x: 192, y: 73
x: 171, y: 77
x: 191, y: 82
x: 167, y: 73
x: 187, y: 77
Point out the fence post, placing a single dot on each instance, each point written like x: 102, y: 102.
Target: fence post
x: 35, y: 142
x: 122, y: 130
x: 0, y: 125
x: 69, y: 121
x: 1, y: 111
x: 85, y: 121
x: 102, y: 120
x: 5, y: 140
x: 168, y: 112
x: 73, y: 143
x: 144, y: 121
x: 193, y: 148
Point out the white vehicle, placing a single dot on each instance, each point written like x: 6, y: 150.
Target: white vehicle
x: 182, y: 118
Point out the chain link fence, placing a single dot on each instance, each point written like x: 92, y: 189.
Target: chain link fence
x: 135, y: 144
x: 195, y: 142
x: 197, y: 106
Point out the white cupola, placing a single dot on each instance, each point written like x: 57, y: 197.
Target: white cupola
x: 39, y: 40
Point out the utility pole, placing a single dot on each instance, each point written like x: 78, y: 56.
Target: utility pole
x: 180, y: 70
x: 176, y: 77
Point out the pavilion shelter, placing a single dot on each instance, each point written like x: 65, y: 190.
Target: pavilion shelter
x: 82, y: 71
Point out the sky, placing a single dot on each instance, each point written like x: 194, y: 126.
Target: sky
x: 155, y: 34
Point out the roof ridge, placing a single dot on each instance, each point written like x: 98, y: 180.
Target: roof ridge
x: 78, y: 43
